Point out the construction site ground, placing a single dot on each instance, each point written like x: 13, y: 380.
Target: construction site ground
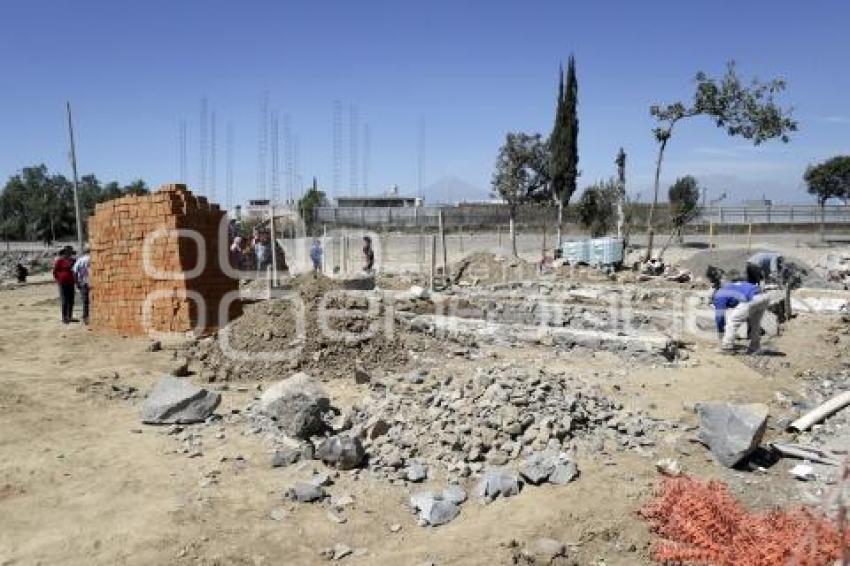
x: 82, y: 481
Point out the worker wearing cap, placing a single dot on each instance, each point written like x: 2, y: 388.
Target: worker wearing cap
x: 737, y: 303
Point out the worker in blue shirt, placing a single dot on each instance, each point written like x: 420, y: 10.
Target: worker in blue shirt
x: 737, y: 303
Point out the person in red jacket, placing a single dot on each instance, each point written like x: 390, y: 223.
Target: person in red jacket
x: 64, y: 276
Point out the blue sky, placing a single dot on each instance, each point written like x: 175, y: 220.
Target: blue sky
x: 468, y: 71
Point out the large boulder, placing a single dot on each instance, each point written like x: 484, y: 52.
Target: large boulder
x: 297, y: 404
x: 732, y: 432
x: 177, y: 401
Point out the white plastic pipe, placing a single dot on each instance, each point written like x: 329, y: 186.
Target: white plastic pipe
x: 820, y: 413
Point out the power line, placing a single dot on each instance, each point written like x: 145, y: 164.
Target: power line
x: 420, y: 160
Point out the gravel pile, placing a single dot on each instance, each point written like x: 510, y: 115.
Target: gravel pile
x: 499, y: 416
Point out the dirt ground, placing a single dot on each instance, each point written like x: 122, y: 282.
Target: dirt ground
x: 83, y: 482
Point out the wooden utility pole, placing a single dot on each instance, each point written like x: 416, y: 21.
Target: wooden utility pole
x: 74, y: 169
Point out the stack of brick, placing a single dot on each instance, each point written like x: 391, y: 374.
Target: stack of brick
x: 135, y: 296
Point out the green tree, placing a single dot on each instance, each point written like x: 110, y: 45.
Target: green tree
x: 828, y: 180
x: 137, y: 187
x: 748, y: 111
x: 521, y: 174
x: 308, y: 204
x: 563, y: 142
x: 597, y: 207
x: 37, y: 205
x: 684, y: 198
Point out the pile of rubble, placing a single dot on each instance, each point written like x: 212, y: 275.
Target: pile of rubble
x: 318, y: 327
x: 499, y: 416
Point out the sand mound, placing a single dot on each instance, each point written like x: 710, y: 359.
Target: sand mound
x: 484, y: 268
x: 319, y: 327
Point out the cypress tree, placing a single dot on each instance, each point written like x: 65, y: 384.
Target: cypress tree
x: 563, y: 142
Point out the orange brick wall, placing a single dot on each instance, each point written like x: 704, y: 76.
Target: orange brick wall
x: 119, y: 282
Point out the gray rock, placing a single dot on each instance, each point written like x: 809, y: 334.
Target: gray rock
x: 178, y: 401
x: 732, y: 432
x: 305, y: 492
x: 320, y: 479
x: 496, y: 482
x: 179, y: 367
x: 455, y: 494
x: 564, y: 473
x: 361, y: 376
x: 297, y: 403
x: 538, y: 467
x: 286, y: 457
x: 433, y: 509
x: 544, y: 550
x: 341, y: 451
x: 416, y: 471
x: 440, y: 513
x: 336, y: 552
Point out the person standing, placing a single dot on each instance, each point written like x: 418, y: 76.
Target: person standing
x: 236, y: 253
x: 735, y: 304
x: 64, y: 276
x: 316, y: 256
x: 81, y: 275
x: 368, y: 254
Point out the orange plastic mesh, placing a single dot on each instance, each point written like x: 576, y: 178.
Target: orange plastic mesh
x: 702, y: 523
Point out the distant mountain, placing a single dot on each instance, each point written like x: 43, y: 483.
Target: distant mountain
x: 449, y: 190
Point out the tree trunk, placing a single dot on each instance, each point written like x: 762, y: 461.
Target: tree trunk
x: 513, y: 234
x: 560, y: 236
x: 650, y: 231
x: 823, y: 221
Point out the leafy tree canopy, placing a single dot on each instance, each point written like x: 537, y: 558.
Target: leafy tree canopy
x: 521, y: 173
x: 830, y: 179
x: 37, y: 205
x: 684, y: 198
x: 597, y: 207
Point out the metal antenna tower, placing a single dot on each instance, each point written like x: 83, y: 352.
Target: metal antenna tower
x: 367, y: 135
x: 353, y: 138
x: 288, y: 157
x: 263, y: 136
x: 182, y: 136
x: 202, y: 179
x: 275, y: 139
x: 336, y: 157
x: 212, y: 157
x: 228, y: 190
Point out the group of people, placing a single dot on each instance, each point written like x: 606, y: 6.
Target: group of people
x: 256, y: 254
x: 743, y: 300
x: 72, y: 272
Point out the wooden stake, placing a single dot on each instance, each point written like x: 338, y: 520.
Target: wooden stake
x: 445, y: 255
x: 433, y: 259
